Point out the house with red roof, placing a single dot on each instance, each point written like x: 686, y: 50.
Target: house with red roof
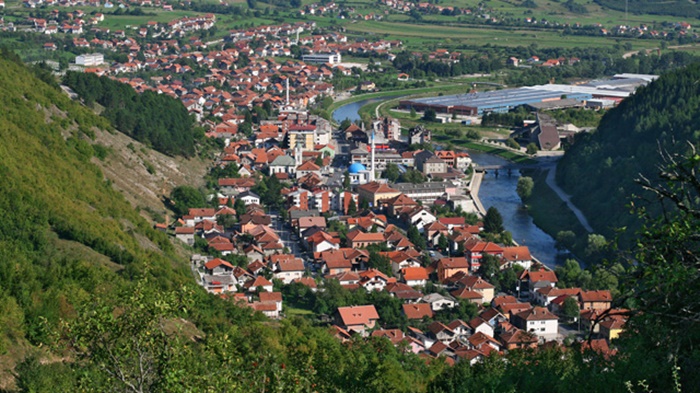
x: 218, y: 266
x: 185, y: 234
x: 357, y: 319
x: 537, y: 320
x: 288, y: 269
x: 322, y: 241
x: 447, y: 267
x: 359, y: 239
x: 261, y: 282
x: 474, y: 251
x: 531, y: 280
x: 414, y: 276
x: 600, y: 300
x: 417, y: 310
x: 517, y: 255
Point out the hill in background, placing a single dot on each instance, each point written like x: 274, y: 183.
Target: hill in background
x: 601, y: 167
x: 681, y: 8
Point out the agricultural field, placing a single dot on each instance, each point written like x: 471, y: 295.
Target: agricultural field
x: 416, y: 36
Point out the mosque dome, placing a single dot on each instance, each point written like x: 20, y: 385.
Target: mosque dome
x: 356, y: 168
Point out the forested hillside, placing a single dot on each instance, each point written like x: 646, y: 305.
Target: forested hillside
x: 681, y: 8
x: 601, y: 168
x: 155, y: 119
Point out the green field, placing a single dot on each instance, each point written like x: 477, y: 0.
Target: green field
x: 422, y: 36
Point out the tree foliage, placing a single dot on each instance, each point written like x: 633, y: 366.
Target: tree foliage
x: 493, y: 221
x: 600, y: 168
x: 154, y: 119
x: 524, y: 187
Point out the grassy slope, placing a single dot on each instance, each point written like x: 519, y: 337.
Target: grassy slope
x: 65, y: 230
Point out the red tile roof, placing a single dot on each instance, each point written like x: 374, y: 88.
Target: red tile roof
x: 596, y: 296
x: 417, y: 310
x: 414, y: 273
x: 358, y: 315
x: 217, y: 262
x: 536, y: 314
x: 454, y: 263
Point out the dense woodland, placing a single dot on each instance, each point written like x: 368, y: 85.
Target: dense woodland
x: 601, y: 167
x: 93, y: 299
x: 155, y: 119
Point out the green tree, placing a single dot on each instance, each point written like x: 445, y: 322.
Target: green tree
x: 524, y: 187
x: 345, y: 124
x: 443, y: 243
x: 380, y: 262
x: 570, y: 309
x: 413, y: 113
x: 510, y: 142
x: 429, y: 115
x: 662, y: 281
x: 391, y: 172
x: 531, y: 148
x: 129, y: 346
x: 489, y: 269
x: 246, y: 128
x: 413, y: 176
x: 565, y: 240
x: 352, y: 207
x: 493, y: 221
x: 185, y: 197
x: 416, y: 238
x: 346, y: 180
x: 239, y: 207
x: 595, y: 245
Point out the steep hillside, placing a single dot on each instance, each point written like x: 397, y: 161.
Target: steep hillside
x: 65, y: 233
x: 601, y: 167
x: 142, y: 174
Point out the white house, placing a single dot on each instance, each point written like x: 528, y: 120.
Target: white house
x: 479, y: 324
x: 289, y: 270
x: 537, y: 320
x: 249, y: 198
x: 421, y: 218
x: 414, y: 276
x: 373, y: 280
x: 185, y: 234
x: 438, y: 302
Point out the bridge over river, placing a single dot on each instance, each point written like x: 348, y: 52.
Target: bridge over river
x: 510, y: 167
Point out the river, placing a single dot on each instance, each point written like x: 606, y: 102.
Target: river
x: 349, y: 111
x: 498, y: 192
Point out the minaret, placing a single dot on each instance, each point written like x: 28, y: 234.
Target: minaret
x: 298, y: 153
x: 372, y: 168
x: 287, y: 102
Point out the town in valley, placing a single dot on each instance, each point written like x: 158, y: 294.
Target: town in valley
x: 371, y: 226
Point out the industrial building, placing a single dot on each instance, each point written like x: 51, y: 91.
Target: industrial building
x: 499, y: 101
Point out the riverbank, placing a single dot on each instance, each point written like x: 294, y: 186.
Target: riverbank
x: 474, y: 187
x: 551, y: 213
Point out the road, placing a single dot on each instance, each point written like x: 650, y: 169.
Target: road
x: 551, y: 182
x: 285, y: 235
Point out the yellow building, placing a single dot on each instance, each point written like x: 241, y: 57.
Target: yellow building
x: 304, y: 134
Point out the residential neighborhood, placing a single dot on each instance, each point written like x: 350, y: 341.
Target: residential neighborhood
x: 366, y: 229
